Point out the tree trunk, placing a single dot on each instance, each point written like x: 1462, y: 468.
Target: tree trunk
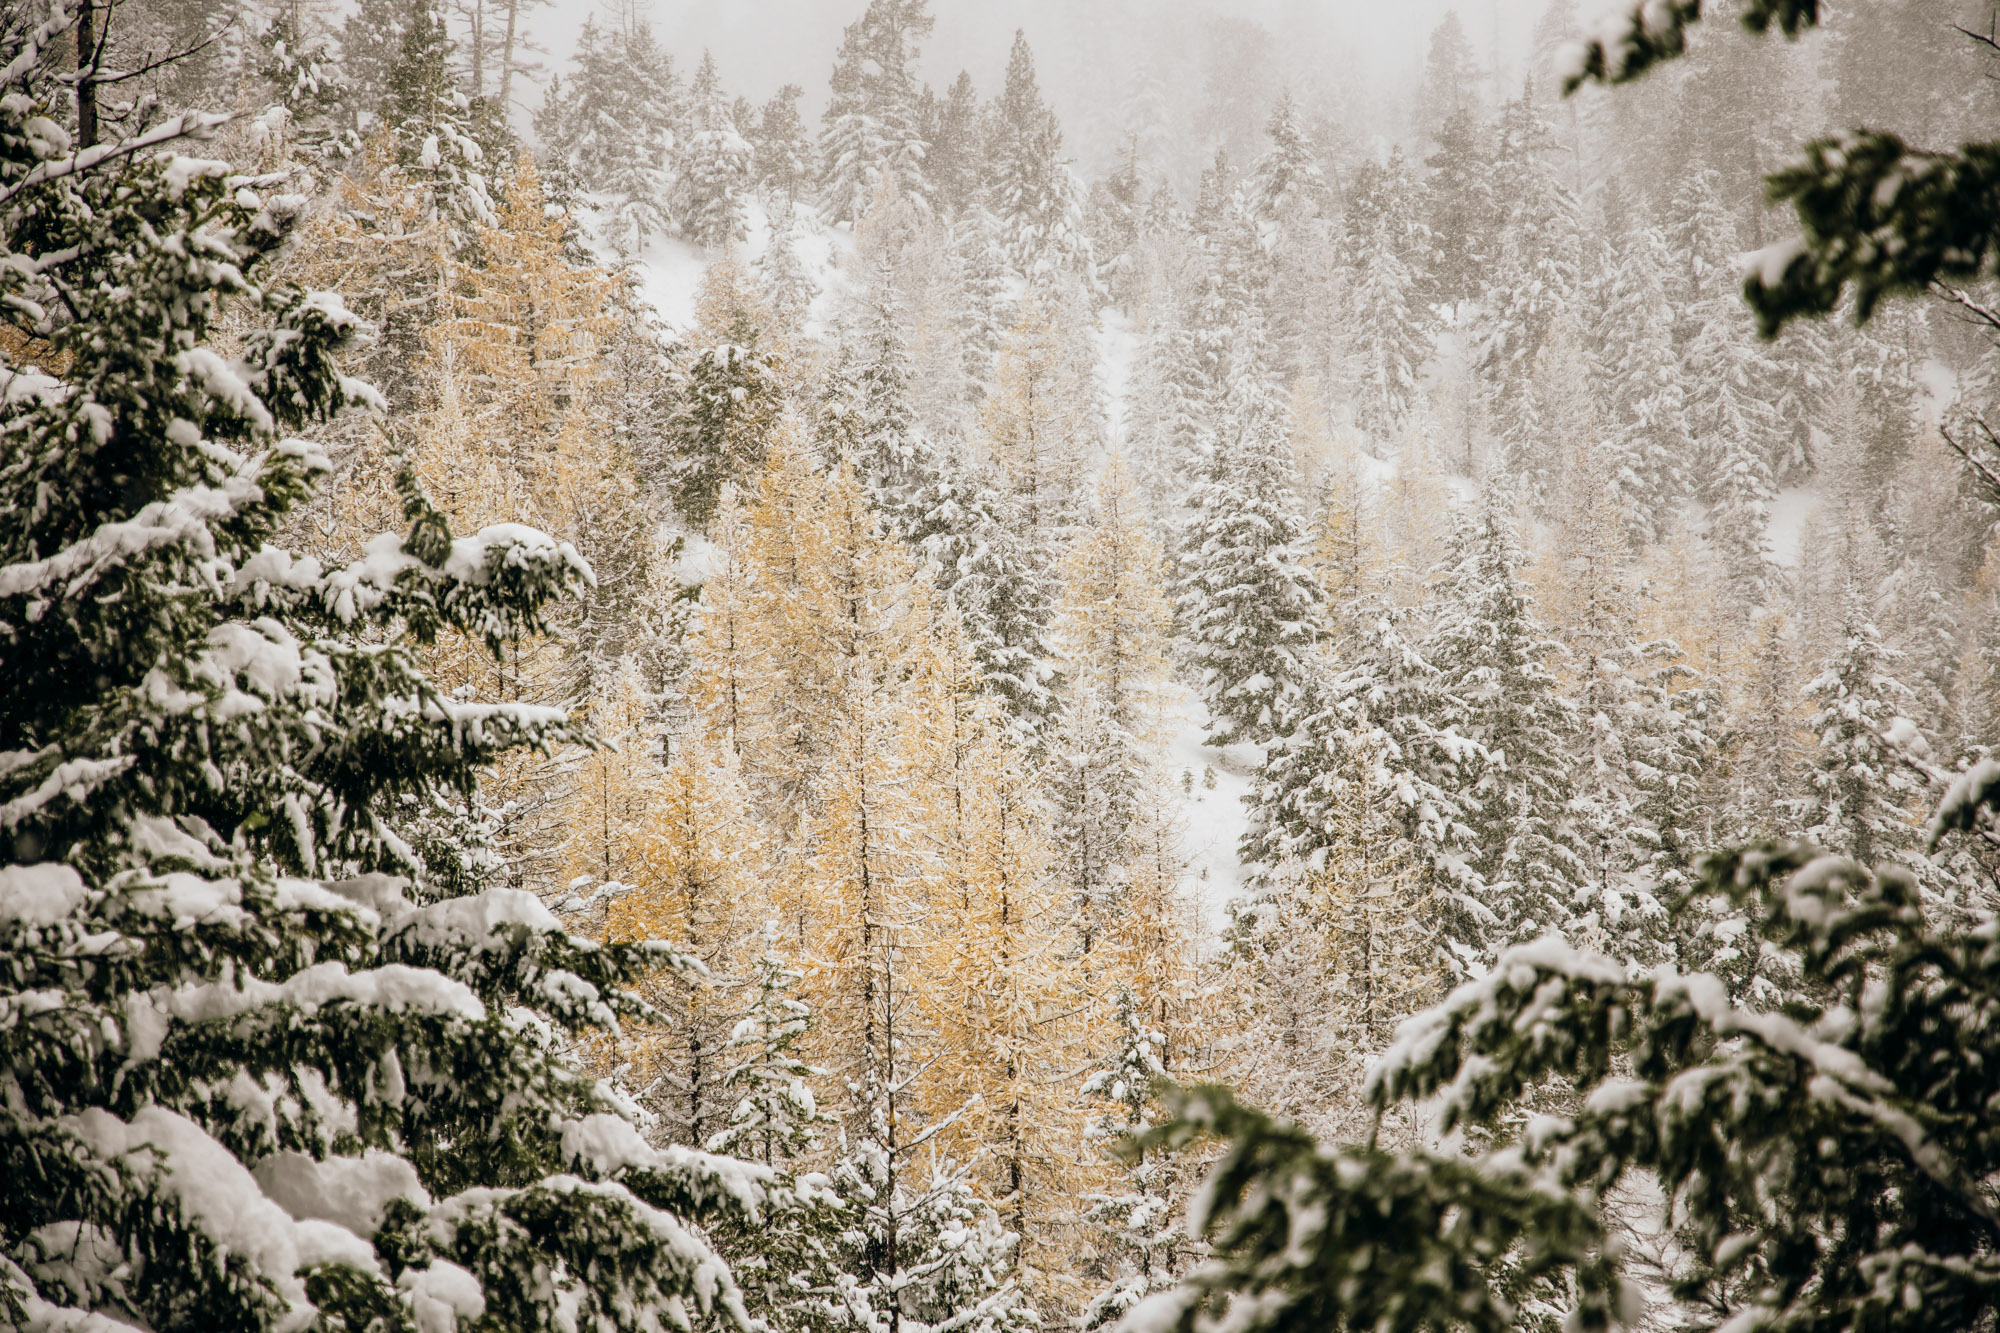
x: 88, y: 48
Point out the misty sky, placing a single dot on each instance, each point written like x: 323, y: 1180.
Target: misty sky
x: 1357, y: 51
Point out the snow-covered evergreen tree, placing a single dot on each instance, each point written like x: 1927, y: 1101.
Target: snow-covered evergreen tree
x: 1385, y: 258
x: 954, y: 161
x: 431, y: 125
x: 727, y: 394
x: 1496, y: 660
x: 712, y: 165
x: 867, y: 416
x: 985, y: 311
x: 1288, y: 187
x: 1536, y: 269
x: 776, y: 1118
x: 1732, y: 384
x: 1246, y: 595
x: 1378, y: 718
x: 1176, y: 403
x: 616, y: 126
x: 783, y: 281
x: 872, y: 124
x: 255, y: 1052
x: 371, y: 38
x: 1645, y: 395
x: 1452, y: 77
x: 1032, y: 193
x: 988, y: 572
x: 1860, y: 794
x: 782, y: 150
x: 1145, y: 1247
x: 1461, y: 207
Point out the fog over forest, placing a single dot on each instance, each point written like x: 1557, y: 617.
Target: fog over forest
x: 914, y: 666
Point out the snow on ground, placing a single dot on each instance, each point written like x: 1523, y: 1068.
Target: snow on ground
x: 1214, y: 818
x: 670, y: 270
x: 825, y: 251
x: 670, y: 273
x: 1118, y: 351
x: 1790, y: 509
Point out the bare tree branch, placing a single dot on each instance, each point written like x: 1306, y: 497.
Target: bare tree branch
x: 1979, y: 465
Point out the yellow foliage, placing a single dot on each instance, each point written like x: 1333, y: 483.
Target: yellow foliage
x: 1113, y: 621
x: 1009, y: 1008
x: 693, y: 867
x: 1040, y: 419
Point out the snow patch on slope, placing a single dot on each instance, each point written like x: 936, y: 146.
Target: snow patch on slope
x: 1214, y: 819
x: 1790, y: 509
x: 1118, y: 352
x: 670, y: 270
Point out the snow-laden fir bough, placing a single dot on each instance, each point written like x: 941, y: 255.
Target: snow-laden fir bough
x: 252, y: 1073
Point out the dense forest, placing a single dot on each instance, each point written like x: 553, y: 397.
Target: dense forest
x: 632, y: 708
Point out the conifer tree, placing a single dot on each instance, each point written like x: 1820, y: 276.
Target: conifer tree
x: 872, y: 130
x: 1287, y: 188
x: 727, y: 381
x: 1768, y: 756
x: 1461, y: 207
x: 519, y: 338
x: 712, y: 165
x: 1112, y: 628
x: 1450, y: 87
x: 1113, y: 619
x: 1348, y: 544
x: 623, y: 101
x: 509, y: 429
x: 1003, y: 997
x: 1033, y: 195
x: 954, y: 132
x: 1144, y: 1247
x: 263, y: 1054
x: 954, y: 1259
x: 1537, y: 257
x: 776, y: 1117
x: 1386, y: 257
x: 990, y: 573
x: 1732, y: 384
x: 1557, y: 424
x: 1646, y: 394
x: 1647, y: 721
x: 1176, y: 395
x: 612, y: 790
x: 1379, y: 719
x: 1246, y: 594
x: 371, y: 39
x: 986, y: 312
x: 792, y: 1265
x: 691, y: 885
x: 1368, y: 894
x: 835, y: 743
x: 1496, y: 661
x: 430, y: 124
x: 1041, y: 420
x: 782, y: 150
x: 1332, y: 952
x: 1115, y: 220
x: 867, y: 416
x: 1859, y: 792
x: 783, y: 282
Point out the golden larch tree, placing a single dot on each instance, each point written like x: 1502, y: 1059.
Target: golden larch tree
x: 695, y: 874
